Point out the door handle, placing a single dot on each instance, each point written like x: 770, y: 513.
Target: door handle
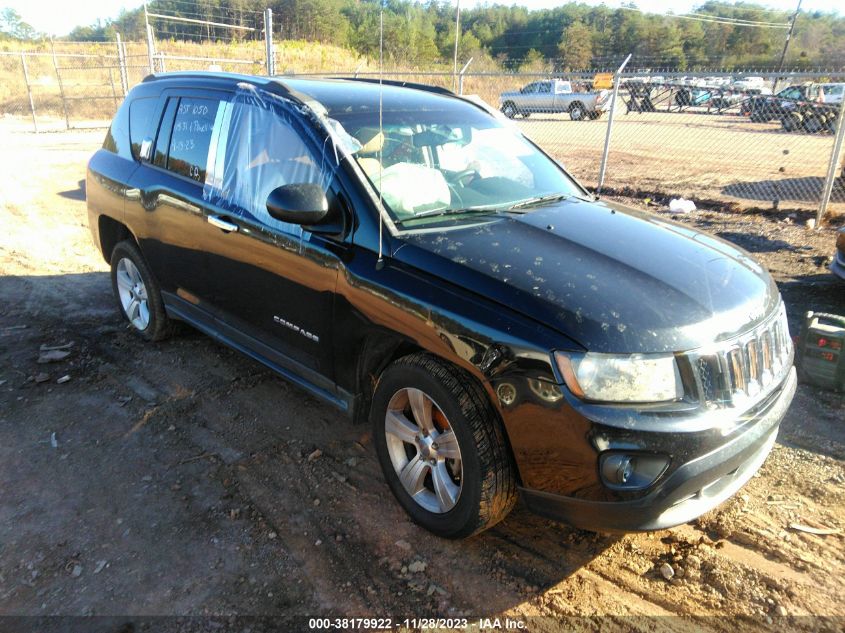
x: 223, y: 225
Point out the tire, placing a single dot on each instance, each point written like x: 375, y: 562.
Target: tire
x: 577, y: 112
x: 478, y: 489
x: 791, y: 122
x: 814, y: 124
x: 131, y: 279
x: 509, y: 109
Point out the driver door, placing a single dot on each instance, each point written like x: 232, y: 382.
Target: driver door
x: 273, y: 283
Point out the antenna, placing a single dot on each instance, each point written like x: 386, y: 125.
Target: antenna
x: 380, y: 261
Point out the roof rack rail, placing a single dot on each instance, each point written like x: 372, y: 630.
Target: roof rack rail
x: 401, y: 84
x: 205, y: 74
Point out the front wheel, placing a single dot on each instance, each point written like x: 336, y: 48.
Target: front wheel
x: 442, y: 447
x: 814, y: 123
x: 138, y: 294
x: 509, y: 110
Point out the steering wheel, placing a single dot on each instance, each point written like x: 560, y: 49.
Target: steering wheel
x: 459, y: 177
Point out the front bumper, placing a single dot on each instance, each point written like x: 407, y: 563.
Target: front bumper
x: 691, y: 489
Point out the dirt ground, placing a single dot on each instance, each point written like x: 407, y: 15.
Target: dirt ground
x: 724, y: 158
x: 180, y: 478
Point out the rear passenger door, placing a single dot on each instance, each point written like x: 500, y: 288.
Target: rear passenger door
x: 165, y: 201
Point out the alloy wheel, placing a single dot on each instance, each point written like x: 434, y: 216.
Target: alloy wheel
x: 133, y: 294
x: 424, y: 450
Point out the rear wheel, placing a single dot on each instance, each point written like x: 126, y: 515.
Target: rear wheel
x: 441, y: 447
x: 791, y: 121
x: 138, y: 293
x: 577, y: 111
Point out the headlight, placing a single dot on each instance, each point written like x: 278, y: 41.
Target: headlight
x: 621, y: 378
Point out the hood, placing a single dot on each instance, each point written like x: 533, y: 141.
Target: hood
x: 511, y: 93
x: 611, y: 278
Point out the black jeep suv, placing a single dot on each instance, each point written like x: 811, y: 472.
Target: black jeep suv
x: 414, y: 260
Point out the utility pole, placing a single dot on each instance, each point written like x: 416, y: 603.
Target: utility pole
x: 786, y: 44
x: 457, y: 39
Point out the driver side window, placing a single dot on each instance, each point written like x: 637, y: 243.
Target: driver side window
x: 258, y: 150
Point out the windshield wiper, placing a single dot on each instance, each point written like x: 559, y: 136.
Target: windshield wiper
x: 489, y: 209
x: 538, y: 201
x: 444, y: 212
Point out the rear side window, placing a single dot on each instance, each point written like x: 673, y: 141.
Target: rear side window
x: 117, y: 138
x: 163, y: 141
x: 141, y: 126
x: 191, y: 137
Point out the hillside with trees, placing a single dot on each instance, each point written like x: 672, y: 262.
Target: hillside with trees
x: 573, y: 36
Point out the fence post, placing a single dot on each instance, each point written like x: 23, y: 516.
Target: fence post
x: 617, y: 79
x: 150, y: 49
x: 461, y: 77
x: 268, y: 42
x: 61, y: 86
x: 832, y: 166
x: 29, y: 91
x: 113, y: 91
x: 121, y: 65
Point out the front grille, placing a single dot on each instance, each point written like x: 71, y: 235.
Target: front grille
x: 745, y: 368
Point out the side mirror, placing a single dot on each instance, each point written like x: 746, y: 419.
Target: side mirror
x: 302, y: 203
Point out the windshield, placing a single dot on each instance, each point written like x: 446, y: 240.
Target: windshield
x: 455, y: 162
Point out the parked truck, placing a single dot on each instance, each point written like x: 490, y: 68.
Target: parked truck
x: 554, y: 96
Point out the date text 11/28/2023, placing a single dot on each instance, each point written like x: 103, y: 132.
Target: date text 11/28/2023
x: 370, y: 624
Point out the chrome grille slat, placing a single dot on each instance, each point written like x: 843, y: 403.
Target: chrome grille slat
x: 747, y: 366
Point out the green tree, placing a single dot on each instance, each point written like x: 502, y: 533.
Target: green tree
x: 13, y: 26
x: 534, y: 62
x: 576, y: 47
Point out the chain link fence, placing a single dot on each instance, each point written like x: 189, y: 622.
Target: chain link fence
x: 767, y: 143
x: 768, y: 146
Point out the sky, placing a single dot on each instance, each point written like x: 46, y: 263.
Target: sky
x: 58, y: 17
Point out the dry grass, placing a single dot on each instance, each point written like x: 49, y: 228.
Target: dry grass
x: 88, y: 74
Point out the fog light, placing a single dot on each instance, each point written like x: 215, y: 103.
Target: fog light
x: 631, y: 471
